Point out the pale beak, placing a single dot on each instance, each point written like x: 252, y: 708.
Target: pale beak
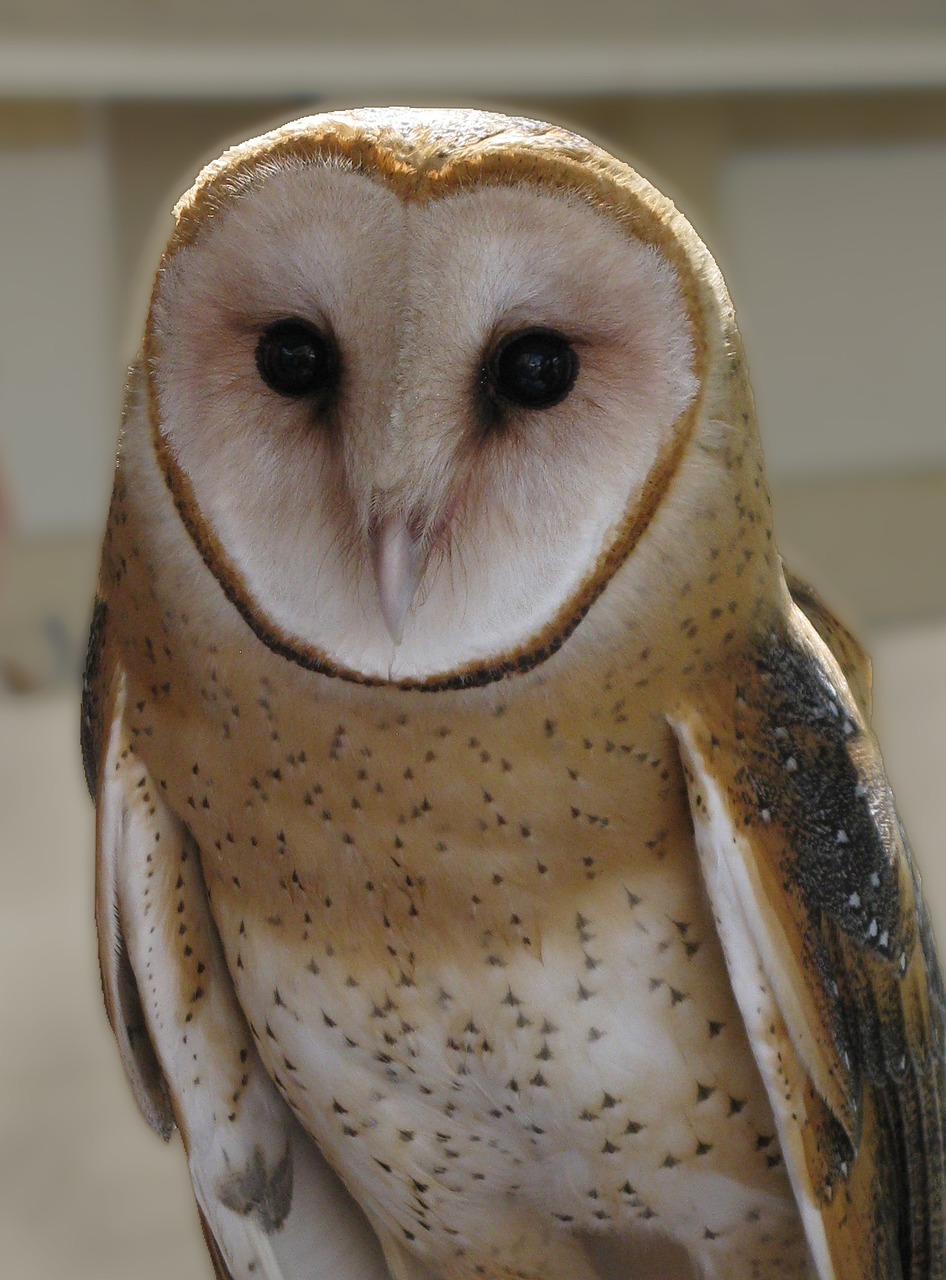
x: 398, y: 568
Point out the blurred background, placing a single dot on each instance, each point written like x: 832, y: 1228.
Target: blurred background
x: 805, y: 139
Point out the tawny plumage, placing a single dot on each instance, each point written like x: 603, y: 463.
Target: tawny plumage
x: 497, y: 875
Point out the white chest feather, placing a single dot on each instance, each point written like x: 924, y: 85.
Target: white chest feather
x: 599, y: 1079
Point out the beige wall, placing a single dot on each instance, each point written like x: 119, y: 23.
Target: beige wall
x: 530, y: 19
x: 59, y: 394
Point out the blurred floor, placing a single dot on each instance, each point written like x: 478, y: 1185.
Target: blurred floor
x: 86, y: 1191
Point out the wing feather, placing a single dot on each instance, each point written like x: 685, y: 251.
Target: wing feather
x: 849, y: 653
x: 270, y: 1206
x: 800, y: 842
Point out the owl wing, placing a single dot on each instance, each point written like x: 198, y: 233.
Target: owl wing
x: 829, y: 949
x: 848, y: 651
x: 269, y: 1204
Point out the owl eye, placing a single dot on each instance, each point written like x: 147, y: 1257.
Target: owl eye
x: 294, y: 359
x: 534, y: 369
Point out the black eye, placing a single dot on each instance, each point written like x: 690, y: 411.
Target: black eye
x: 294, y: 359
x: 535, y: 369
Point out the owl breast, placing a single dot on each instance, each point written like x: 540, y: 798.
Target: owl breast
x: 476, y: 957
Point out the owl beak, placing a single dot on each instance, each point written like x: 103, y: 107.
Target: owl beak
x: 398, y: 567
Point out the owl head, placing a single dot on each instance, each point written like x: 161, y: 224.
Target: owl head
x: 419, y: 383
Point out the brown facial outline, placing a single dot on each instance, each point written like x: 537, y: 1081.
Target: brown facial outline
x: 419, y: 168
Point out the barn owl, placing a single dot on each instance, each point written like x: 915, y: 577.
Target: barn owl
x: 497, y: 875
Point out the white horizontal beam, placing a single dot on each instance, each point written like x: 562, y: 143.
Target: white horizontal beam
x: 75, y: 69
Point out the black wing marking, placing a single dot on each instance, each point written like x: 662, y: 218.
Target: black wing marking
x: 806, y: 822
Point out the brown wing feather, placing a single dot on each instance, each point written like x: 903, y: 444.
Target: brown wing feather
x: 94, y: 684
x: 268, y: 1200
x: 833, y: 904
x: 849, y: 653
x: 102, y: 693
